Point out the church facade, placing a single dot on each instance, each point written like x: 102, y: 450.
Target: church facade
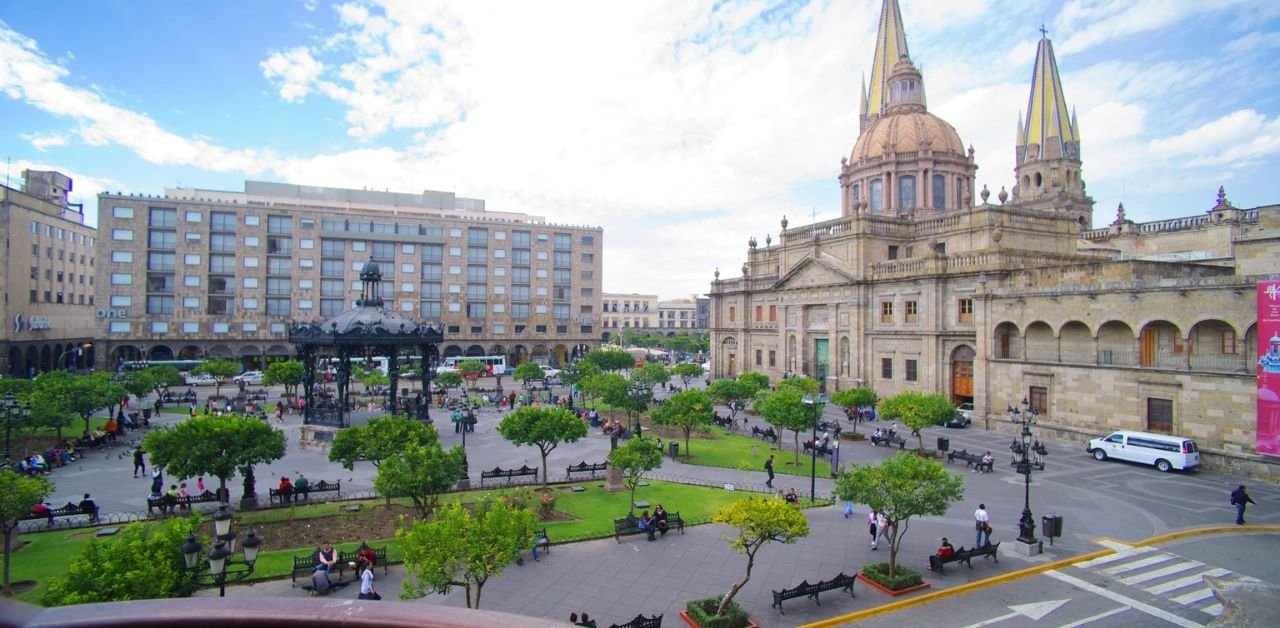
x: 925, y: 284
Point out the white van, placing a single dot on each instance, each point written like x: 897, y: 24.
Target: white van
x: 1164, y: 452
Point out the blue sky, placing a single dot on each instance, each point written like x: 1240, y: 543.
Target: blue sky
x: 682, y: 127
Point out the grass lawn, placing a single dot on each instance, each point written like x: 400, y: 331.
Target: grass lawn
x: 732, y: 451
x: 46, y: 555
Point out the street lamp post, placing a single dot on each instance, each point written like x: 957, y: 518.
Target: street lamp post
x: 11, y: 407
x: 639, y: 399
x: 220, y: 557
x: 60, y: 364
x: 818, y: 403
x: 1025, y: 416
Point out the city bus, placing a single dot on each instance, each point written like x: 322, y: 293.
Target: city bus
x: 497, y: 364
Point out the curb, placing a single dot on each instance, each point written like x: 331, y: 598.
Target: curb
x: 1031, y: 571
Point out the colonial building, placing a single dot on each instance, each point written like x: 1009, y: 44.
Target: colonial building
x: 49, y: 305
x: 678, y: 316
x: 918, y: 286
x: 619, y: 311
x: 202, y: 273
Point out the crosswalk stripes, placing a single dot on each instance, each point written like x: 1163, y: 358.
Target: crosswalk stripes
x: 1163, y: 574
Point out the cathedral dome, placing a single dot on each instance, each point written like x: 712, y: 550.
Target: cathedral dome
x: 906, y: 132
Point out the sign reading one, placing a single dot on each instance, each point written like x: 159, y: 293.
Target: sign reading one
x: 121, y: 313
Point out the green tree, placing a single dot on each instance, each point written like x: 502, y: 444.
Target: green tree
x: 136, y: 383
x: 731, y: 393
x: 759, y: 521
x: 544, y: 428
x: 459, y: 548
x: 220, y: 370
x: 850, y: 399
x: 803, y: 385
x: 374, y: 377
x: 162, y: 376
x: 91, y: 393
x: 574, y: 374
x: 472, y: 370
x: 687, y: 371
x: 381, y: 438
x: 448, y: 379
x: 420, y: 473
x: 652, y: 374
x: 917, y: 411
x: 141, y: 562
x: 900, y: 488
x: 214, y: 446
x: 754, y: 381
x: 636, y: 458
x: 287, y: 373
x: 528, y: 372
x: 610, y: 360
x: 608, y: 387
x: 688, y: 410
x: 632, y: 401
x: 18, y: 494
x: 786, y: 409
x: 51, y: 402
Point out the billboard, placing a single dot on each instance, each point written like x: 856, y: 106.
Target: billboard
x: 1268, y: 433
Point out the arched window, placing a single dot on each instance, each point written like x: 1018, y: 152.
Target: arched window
x: 907, y: 192
x: 960, y: 192
x: 939, y: 191
x: 877, y: 196
x: 857, y: 192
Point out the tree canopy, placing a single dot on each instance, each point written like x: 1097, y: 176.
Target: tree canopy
x: 544, y: 428
x: 287, y: 373
x: 214, y: 446
x: 731, y: 393
x: 529, y: 371
x: 462, y: 548
x: 448, y: 379
x: 759, y: 521
x: 636, y: 458
x: 18, y: 494
x: 420, y: 473
x: 574, y: 374
x: 219, y: 370
x: 471, y: 370
x: 917, y: 411
x: 687, y: 371
x: 163, y: 375
x: 901, y: 487
x: 803, y: 385
x: 609, y: 360
x: 688, y: 410
x: 141, y: 562
x: 786, y: 409
x: 652, y: 374
x: 381, y: 438
x: 754, y: 381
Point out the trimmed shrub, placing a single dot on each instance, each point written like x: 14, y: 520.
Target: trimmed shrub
x: 880, y: 573
x: 703, y: 611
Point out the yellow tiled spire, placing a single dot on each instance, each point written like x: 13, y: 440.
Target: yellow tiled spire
x: 1049, y: 131
x: 891, y: 45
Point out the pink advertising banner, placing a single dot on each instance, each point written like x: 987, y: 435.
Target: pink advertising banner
x: 1269, y: 368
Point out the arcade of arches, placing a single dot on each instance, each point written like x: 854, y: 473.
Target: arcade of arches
x: 30, y: 359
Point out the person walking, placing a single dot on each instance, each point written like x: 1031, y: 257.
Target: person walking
x: 981, y: 521
x: 138, y: 463
x: 873, y: 526
x: 1239, y: 498
x: 768, y: 468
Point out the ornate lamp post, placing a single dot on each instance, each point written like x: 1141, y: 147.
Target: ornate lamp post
x: 221, y: 566
x: 817, y: 402
x: 12, y: 407
x: 1026, y: 416
x: 640, y: 394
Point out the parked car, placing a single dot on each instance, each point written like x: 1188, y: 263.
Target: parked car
x: 253, y: 378
x: 202, y: 379
x: 1163, y: 451
x: 963, y: 416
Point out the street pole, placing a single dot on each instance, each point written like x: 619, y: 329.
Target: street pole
x: 1026, y: 417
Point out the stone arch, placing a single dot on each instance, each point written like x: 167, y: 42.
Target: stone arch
x: 962, y: 374
x: 729, y: 349
x: 1115, y: 344
x: 1041, y: 344
x: 160, y: 352
x: 1161, y: 345
x: 46, y: 359
x: 220, y: 352
x: 1250, y: 348
x: 16, y: 367
x: 452, y: 351
x: 1006, y: 342
x: 250, y: 350
x: 32, y: 362
x: 519, y: 355
x: 559, y: 355
x: 475, y: 351
x: 604, y: 337
x: 190, y: 352
x: 58, y: 355
x: 122, y: 353
x: 89, y: 358
x: 497, y: 350
x: 1075, y: 343
x: 278, y: 350
x: 1215, y: 346
x: 540, y: 354
x: 671, y: 334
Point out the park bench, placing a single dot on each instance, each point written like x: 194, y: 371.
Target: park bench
x: 812, y: 590
x: 509, y: 474
x: 70, y: 510
x: 306, y: 563
x: 891, y: 439
x: 822, y: 450
x: 971, y: 460
x: 205, y: 497
x: 583, y: 467
x: 631, y: 525
x: 765, y: 434
x: 723, y: 421
x: 348, y: 557
x: 966, y: 556
x: 641, y: 621
x: 318, y: 487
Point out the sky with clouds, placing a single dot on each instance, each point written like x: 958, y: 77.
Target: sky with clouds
x: 682, y: 127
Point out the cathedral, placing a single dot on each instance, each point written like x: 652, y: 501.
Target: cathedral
x: 924, y: 283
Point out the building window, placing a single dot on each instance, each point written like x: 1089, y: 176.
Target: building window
x: 759, y: 357
x: 1160, y: 415
x: 759, y: 315
x: 877, y: 196
x: 966, y: 310
x: 1038, y: 397
x: 1229, y: 342
x: 163, y: 218
x: 121, y: 279
x: 116, y: 212
x: 911, y: 370
x: 157, y: 304
x: 278, y: 307
x: 939, y: 192
x: 912, y: 312
x: 773, y: 314
x: 122, y: 257
x: 123, y: 235
x: 886, y: 311
x: 886, y: 368
x: 118, y: 327
x: 222, y: 221
x: 279, y: 224
x: 906, y: 192
x: 733, y: 313
x: 190, y: 328
x: 773, y: 357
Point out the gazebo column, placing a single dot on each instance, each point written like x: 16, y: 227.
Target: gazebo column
x: 393, y: 367
x: 344, y: 385
x: 308, y: 356
x: 427, y: 371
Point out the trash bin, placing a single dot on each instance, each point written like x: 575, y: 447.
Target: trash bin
x: 1051, y: 526
x: 674, y: 448
x: 944, y: 444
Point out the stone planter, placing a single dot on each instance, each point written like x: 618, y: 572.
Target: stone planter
x: 689, y: 620
x: 887, y: 591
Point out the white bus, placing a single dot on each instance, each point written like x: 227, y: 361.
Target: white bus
x: 497, y: 364
x: 1163, y: 451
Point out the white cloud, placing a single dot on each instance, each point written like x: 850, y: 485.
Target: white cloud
x: 296, y: 70
x: 1092, y: 22
x: 1239, y: 137
x: 44, y: 141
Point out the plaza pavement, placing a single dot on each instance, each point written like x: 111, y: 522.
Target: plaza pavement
x: 613, y: 582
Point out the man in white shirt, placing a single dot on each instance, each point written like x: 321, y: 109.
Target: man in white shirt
x: 981, y: 522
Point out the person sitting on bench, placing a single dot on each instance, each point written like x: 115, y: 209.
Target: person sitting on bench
x: 944, y: 552
x: 792, y: 498
x: 987, y: 462
x: 646, y: 525
x: 42, y: 510
x: 88, y: 507
x: 326, y: 557
x: 660, y: 520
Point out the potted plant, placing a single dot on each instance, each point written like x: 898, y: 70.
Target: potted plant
x: 758, y: 521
